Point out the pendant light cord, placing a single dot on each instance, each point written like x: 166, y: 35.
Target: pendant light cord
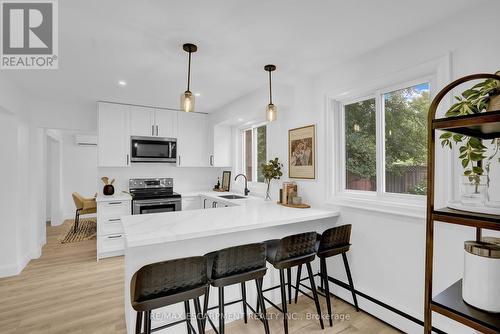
x: 270, y: 90
x: 189, y: 70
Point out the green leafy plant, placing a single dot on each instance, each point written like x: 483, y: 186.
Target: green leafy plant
x: 271, y: 171
x: 471, y: 151
x: 475, y: 99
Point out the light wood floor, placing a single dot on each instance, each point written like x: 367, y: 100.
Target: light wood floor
x: 67, y: 291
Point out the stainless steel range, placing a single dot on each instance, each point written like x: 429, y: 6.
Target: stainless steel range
x: 154, y: 195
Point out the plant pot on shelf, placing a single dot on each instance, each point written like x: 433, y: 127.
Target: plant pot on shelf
x: 492, y: 167
x: 473, y: 190
x: 494, y: 103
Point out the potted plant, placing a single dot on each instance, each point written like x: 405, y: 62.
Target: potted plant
x: 484, y: 96
x: 271, y: 171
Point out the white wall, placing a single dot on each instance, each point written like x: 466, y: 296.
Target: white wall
x: 387, y: 257
x: 79, y: 171
x: 185, y: 179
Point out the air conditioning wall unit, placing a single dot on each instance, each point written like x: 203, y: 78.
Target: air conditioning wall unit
x: 86, y: 140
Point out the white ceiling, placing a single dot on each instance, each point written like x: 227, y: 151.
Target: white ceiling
x: 102, y: 42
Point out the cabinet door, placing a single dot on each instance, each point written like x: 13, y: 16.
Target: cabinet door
x: 166, y: 123
x: 113, y: 140
x: 221, y: 146
x: 142, y: 121
x: 192, y: 144
x: 191, y: 203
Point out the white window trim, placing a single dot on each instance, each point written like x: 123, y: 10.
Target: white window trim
x: 241, y: 132
x: 437, y: 73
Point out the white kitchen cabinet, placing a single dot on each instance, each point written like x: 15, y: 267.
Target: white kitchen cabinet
x: 192, y: 143
x: 110, y: 239
x: 145, y: 121
x: 166, y: 123
x: 220, y: 140
x: 113, y: 148
x: 191, y: 203
x: 142, y: 121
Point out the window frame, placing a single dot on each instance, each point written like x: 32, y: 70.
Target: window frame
x: 242, y: 131
x: 385, y: 201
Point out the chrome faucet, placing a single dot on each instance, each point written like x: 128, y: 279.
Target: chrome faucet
x: 246, y: 183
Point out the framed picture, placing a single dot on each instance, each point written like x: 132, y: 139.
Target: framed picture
x: 302, y: 152
x: 226, y: 180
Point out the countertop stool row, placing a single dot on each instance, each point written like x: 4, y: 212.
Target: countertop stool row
x: 183, y: 280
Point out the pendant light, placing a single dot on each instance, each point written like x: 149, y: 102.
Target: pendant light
x: 271, y: 110
x: 187, y: 98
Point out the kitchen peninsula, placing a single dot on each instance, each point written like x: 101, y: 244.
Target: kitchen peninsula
x: 159, y: 237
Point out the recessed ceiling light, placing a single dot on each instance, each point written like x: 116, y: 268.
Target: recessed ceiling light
x: 240, y: 119
x: 122, y: 83
x: 197, y: 94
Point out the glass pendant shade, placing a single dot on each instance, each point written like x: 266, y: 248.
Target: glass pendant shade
x: 187, y: 101
x: 271, y: 112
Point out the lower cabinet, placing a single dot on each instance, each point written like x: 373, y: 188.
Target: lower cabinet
x: 191, y: 203
x: 110, y: 239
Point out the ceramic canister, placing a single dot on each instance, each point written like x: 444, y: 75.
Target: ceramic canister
x: 481, y: 283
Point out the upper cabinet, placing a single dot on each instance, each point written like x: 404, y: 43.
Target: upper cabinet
x: 198, y: 144
x: 192, y: 143
x: 166, y: 123
x: 220, y: 140
x: 153, y: 122
x: 113, y: 139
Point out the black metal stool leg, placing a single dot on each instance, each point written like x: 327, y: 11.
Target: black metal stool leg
x: 297, y: 283
x: 77, y: 220
x: 199, y: 316
x: 260, y: 300
x: 147, y: 322
x: 283, y: 300
x: 351, y: 284
x: 289, y: 281
x: 138, y: 323
x: 321, y: 274
x: 244, y: 298
x: 221, y: 310
x: 315, y: 294
x: 205, y: 305
x: 324, y: 278
x: 188, y: 316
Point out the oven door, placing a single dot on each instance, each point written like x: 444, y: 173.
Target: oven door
x: 145, y: 206
x: 153, y: 149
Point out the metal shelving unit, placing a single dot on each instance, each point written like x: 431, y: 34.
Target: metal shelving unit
x: 449, y: 302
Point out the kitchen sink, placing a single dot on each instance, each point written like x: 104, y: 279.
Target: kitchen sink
x: 231, y: 196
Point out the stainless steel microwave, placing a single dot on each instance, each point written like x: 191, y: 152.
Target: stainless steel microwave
x: 153, y: 149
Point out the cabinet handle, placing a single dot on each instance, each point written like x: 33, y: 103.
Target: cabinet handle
x: 114, y: 236
x: 114, y: 203
x: 157, y: 132
x: 205, y: 203
x: 179, y: 160
x: 114, y: 220
x: 212, y: 160
x: 127, y: 160
x: 152, y: 130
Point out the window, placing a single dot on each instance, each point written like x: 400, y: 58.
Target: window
x: 360, y: 148
x: 405, y: 112
x: 385, y: 143
x: 254, y: 152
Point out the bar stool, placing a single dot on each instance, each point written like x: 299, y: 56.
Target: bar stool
x: 332, y: 242
x: 237, y: 265
x: 291, y: 251
x: 166, y: 283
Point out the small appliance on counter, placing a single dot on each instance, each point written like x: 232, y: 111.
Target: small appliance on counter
x: 481, y: 283
x: 154, y: 195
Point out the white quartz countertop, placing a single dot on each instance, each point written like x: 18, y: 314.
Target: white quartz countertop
x: 144, y: 230
x: 116, y: 197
